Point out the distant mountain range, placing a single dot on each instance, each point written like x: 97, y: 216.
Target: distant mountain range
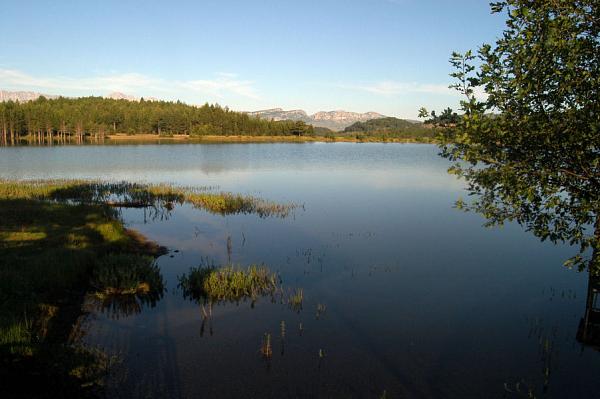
x: 23, y: 96
x: 334, y: 120
x: 116, y: 95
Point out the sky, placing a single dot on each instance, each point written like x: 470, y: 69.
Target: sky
x: 387, y: 56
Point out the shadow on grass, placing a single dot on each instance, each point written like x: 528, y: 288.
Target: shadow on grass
x: 48, y: 253
x: 62, y: 242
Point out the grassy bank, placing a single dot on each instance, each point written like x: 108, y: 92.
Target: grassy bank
x: 48, y: 251
x: 62, y: 242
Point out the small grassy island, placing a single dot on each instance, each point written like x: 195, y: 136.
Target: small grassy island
x: 62, y: 244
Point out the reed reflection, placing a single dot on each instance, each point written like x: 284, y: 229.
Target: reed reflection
x: 124, y: 285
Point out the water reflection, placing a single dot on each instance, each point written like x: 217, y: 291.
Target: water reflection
x: 125, y: 284
x: 400, y: 292
x: 118, y: 306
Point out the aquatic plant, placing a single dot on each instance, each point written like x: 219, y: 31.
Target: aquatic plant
x: 282, y: 329
x: 208, y: 283
x: 126, y: 274
x: 321, y: 309
x: 140, y: 195
x: 124, y: 283
x: 295, y: 299
x: 16, y: 335
x: 265, y: 348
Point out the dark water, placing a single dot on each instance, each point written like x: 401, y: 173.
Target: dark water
x: 420, y: 300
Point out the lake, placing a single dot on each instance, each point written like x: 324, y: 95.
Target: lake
x: 404, y: 296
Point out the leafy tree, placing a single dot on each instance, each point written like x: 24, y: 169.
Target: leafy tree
x: 447, y: 118
x: 530, y: 151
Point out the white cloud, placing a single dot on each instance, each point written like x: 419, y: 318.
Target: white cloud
x: 391, y: 88
x: 224, y: 82
x: 394, y: 88
x: 221, y: 85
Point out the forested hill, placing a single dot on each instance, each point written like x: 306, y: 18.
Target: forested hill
x: 381, y: 124
x: 64, y: 117
x: 392, y: 127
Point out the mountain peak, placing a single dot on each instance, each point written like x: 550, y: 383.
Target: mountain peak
x: 117, y: 95
x: 22, y: 96
x: 334, y: 120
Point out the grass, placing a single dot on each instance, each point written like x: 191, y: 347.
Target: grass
x: 48, y: 252
x: 295, y: 299
x: 265, y: 348
x: 124, y: 194
x: 126, y: 274
x: 208, y: 283
x: 124, y: 283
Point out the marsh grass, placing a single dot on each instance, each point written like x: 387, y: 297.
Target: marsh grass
x: 139, y: 195
x: 126, y: 274
x: 296, y: 299
x: 60, y: 238
x: 321, y: 309
x: 124, y: 283
x: 48, y: 250
x: 265, y: 348
x: 209, y: 284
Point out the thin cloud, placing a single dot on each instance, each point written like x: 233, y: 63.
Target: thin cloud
x: 221, y: 85
x: 392, y: 88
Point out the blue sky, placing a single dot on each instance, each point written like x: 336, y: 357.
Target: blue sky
x: 389, y: 56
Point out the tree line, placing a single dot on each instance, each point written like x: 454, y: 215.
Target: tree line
x: 68, y: 118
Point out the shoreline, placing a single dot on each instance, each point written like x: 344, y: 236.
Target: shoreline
x: 181, y: 138
x: 266, y: 139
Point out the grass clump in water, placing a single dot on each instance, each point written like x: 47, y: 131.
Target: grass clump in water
x: 126, y: 274
x: 124, y: 283
x: 265, y: 348
x: 208, y: 283
x: 296, y: 299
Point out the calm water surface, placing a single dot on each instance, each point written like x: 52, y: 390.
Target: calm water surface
x: 421, y: 301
